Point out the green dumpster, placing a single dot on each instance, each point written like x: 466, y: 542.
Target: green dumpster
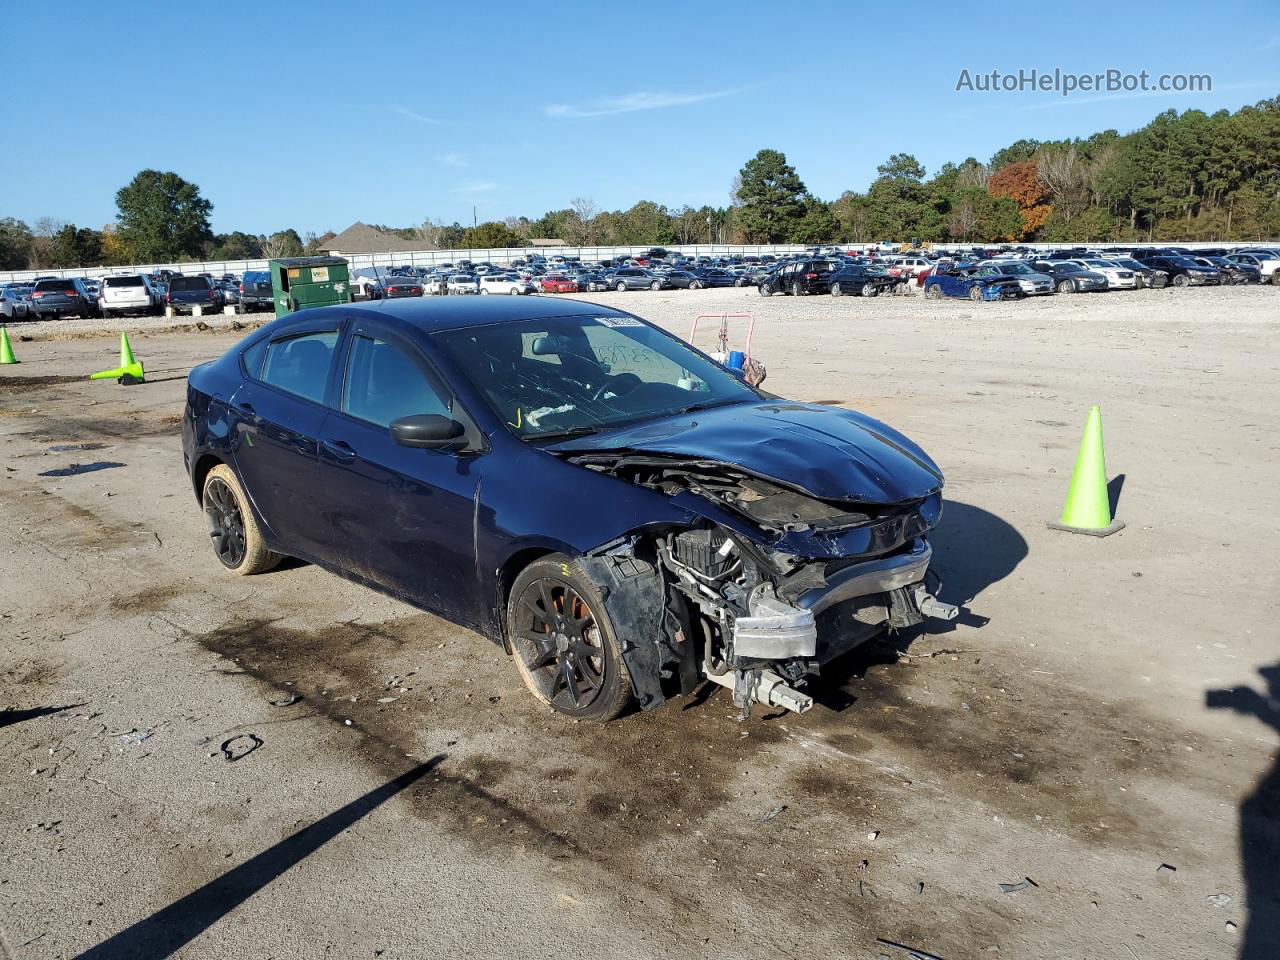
x: 298, y: 283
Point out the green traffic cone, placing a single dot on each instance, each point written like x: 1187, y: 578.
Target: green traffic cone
x: 1088, y: 506
x: 6, y: 348
x: 126, y: 353
x: 130, y: 370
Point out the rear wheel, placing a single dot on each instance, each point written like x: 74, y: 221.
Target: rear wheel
x: 797, y: 290
x: 932, y: 292
x: 233, y: 530
x: 836, y: 291
x: 765, y: 290
x: 484, y: 290
x: 564, y: 643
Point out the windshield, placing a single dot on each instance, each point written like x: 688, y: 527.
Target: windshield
x: 562, y: 375
x: 1019, y: 268
x: 1183, y: 262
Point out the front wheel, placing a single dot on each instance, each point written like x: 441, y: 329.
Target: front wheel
x: 765, y: 290
x: 564, y: 643
x: 1181, y: 280
x: 656, y: 285
x: 233, y: 530
x: 975, y: 293
x: 621, y: 288
x: 933, y: 292
x: 797, y: 290
x: 1066, y: 286
x: 869, y: 290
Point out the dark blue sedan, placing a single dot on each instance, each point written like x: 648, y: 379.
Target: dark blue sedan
x: 620, y: 513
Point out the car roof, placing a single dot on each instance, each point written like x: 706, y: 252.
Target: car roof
x: 431, y: 315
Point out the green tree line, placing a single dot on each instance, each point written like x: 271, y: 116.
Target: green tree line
x: 1183, y: 177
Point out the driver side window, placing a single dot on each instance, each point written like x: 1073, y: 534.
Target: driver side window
x: 383, y: 384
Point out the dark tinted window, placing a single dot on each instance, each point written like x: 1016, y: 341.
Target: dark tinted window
x: 123, y: 282
x: 300, y: 365
x: 384, y: 384
x: 179, y: 284
x: 55, y: 285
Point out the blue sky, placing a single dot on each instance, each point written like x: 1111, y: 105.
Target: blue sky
x: 318, y: 114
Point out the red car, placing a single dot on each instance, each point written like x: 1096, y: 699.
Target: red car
x: 394, y: 287
x: 555, y: 283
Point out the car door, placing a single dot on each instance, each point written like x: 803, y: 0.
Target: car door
x: 278, y: 411
x: 400, y: 517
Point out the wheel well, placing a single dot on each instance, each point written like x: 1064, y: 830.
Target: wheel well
x: 201, y: 470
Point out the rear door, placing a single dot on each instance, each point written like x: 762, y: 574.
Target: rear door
x: 400, y: 517
x: 278, y: 412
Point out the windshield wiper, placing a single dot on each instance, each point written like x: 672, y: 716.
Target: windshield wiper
x: 571, y: 432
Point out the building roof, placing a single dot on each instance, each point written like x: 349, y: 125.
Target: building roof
x: 362, y: 238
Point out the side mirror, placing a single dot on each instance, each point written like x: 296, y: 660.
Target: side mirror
x: 430, y: 431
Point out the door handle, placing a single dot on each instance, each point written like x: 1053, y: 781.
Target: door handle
x: 246, y: 409
x: 340, y: 450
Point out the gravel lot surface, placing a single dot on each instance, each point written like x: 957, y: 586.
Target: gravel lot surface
x: 396, y: 793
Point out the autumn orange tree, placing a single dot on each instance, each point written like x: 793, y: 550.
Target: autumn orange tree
x: 1021, y: 182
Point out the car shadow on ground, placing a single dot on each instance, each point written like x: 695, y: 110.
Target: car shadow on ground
x: 972, y: 549
x: 1259, y: 821
x: 8, y: 717
x: 168, y: 930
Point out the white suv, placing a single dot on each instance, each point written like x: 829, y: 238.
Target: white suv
x: 128, y: 293
x: 507, y: 283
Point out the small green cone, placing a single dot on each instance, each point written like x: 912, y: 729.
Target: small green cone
x: 6, y: 348
x: 1088, y: 506
x: 130, y: 370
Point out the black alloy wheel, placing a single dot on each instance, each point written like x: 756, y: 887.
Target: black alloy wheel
x: 226, y: 523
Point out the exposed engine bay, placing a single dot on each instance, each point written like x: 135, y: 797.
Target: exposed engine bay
x: 760, y: 600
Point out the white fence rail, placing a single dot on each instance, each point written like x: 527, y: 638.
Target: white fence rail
x: 430, y: 258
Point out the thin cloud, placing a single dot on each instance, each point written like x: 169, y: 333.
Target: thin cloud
x: 477, y: 186
x: 630, y: 103
x: 453, y: 159
x: 415, y: 115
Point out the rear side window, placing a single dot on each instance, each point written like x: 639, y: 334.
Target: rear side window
x: 384, y: 384
x: 253, y: 359
x: 300, y: 365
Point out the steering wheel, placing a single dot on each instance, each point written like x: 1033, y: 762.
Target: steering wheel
x: 612, y: 383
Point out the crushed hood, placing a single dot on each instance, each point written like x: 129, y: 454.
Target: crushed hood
x: 829, y: 453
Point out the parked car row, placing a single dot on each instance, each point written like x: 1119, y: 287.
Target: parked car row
x: 138, y: 294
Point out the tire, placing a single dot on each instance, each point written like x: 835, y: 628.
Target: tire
x: 484, y: 290
x: 656, y: 285
x: 975, y: 294
x: 563, y: 641
x: 932, y: 292
x: 836, y: 291
x: 765, y: 290
x: 1275, y: 279
x: 514, y: 291
x: 869, y: 290
x: 233, y: 529
x: 695, y: 284
x: 1181, y: 280
x: 621, y: 287
x: 796, y: 290
x: 1066, y: 286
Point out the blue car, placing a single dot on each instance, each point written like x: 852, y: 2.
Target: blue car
x: 621, y: 514
x: 972, y: 282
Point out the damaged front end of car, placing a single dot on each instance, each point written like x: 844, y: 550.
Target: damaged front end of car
x: 771, y: 582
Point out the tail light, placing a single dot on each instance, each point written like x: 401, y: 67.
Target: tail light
x: 37, y: 293
x: 242, y: 288
x: 168, y: 298
x: 71, y: 293
x: 811, y: 276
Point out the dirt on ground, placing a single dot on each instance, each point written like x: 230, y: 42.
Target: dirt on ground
x: 1082, y: 765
